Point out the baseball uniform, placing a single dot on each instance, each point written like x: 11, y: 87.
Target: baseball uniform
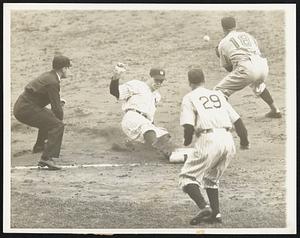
x: 240, y: 50
x: 139, y: 106
x: 212, y: 117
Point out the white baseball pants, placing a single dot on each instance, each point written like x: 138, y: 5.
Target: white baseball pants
x: 251, y: 73
x: 135, y: 125
x: 213, y: 153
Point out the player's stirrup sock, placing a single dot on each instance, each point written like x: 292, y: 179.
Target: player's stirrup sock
x: 213, y: 196
x: 266, y: 96
x: 194, y: 192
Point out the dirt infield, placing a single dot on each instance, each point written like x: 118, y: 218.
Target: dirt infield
x: 142, y: 191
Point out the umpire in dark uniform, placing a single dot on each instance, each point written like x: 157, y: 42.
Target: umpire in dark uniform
x: 30, y: 109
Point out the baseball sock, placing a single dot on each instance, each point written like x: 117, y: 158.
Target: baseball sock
x: 213, y: 197
x: 266, y: 96
x: 195, y: 194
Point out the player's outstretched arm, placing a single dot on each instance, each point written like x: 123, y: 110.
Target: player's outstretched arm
x: 114, y: 87
x: 242, y: 133
x: 119, y: 69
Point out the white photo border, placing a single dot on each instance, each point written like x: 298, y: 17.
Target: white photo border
x: 290, y: 60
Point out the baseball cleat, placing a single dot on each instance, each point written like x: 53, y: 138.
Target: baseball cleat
x: 204, y: 213
x: 48, y: 163
x: 273, y: 114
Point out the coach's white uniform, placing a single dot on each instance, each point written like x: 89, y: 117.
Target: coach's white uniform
x: 208, y: 111
x: 139, y: 106
x: 240, y: 50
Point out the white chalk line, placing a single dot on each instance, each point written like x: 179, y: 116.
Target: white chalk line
x: 77, y: 166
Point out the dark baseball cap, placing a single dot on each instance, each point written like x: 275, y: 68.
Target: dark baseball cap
x: 196, y: 76
x: 228, y: 23
x: 60, y: 61
x: 158, y: 73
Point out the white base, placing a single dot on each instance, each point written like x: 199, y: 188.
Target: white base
x: 180, y: 155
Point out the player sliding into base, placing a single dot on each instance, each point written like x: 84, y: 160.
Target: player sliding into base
x: 207, y: 115
x: 139, y: 105
x: 239, y: 54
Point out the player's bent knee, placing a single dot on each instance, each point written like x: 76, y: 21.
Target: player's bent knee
x: 60, y: 125
x: 186, y: 188
x: 210, y: 183
x: 165, y: 138
x: 150, y: 137
x: 184, y: 181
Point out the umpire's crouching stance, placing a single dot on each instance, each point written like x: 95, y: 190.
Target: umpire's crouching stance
x: 30, y: 109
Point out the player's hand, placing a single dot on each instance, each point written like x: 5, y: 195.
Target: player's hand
x: 229, y: 67
x: 62, y: 102
x: 119, y: 69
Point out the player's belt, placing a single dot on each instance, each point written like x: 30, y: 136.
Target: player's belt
x: 139, y: 112
x: 205, y: 131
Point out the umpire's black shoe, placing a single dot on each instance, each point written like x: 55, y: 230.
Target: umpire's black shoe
x: 213, y: 218
x: 204, y: 213
x: 49, y: 163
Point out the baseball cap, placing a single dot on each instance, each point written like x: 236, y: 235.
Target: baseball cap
x: 158, y: 73
x: 60, y: 61
x: 228, y: 23
x: 196, y: 76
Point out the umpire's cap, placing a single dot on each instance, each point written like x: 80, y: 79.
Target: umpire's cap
x: 196, y: 76
x: 158, y: 73
x: 60, y: 61
x: 228, y: 23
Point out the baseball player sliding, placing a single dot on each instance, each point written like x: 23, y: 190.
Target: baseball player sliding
x: 239, y: 54
x: 139, y: 105
x: 207, y: 115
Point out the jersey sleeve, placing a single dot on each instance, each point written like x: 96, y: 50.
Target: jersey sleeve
x: 224, y: 60
x: 258, y: 52
x: 221, y: 54
x: 126, y: 90
x: 187, y: 115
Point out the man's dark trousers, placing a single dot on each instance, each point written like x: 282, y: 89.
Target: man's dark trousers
x: 50, y: 127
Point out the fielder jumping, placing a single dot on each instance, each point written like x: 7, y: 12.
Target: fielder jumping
x: 139, y: 105
x: 207, y: 115
x: 239, y: 54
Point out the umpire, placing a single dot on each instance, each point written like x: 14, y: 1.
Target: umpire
x: 30, y: 109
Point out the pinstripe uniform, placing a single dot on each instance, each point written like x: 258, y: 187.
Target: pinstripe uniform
x: 240, y: 50
x: 206, y: 109
x: 139, y: 105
